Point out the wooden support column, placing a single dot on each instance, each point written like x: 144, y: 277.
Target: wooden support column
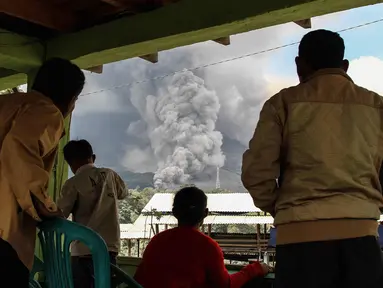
x: 166, y: 226
x: 157, y: 229
x: 264, y: 231
x: 138, y: 247
x: 305, y: 23
x: 223, y: 40
x: 129, y: 247
x: 209, y: 229
x: 258, y: 237
x: 96, y: 69
x: 152, y: 58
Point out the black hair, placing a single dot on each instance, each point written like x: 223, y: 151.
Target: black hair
x: 189, y: 206
x: 78, y: 150
x: 60, y: 80
x: 322, y: 49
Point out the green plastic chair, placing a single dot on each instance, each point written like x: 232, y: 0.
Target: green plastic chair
x: 38, y: 266
x: 122, y: 278
x: 55, y: 236
x: 34, y: 284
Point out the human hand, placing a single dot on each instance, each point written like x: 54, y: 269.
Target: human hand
x: 266, y: 268
x: 44, y: 212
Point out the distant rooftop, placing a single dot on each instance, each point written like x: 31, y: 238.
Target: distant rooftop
x: 142, y: 227
x: 217, y: 203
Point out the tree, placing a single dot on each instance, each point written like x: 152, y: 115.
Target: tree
x: 131, y: 207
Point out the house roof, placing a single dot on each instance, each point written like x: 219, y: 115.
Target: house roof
x: 141, y: 229
x: 217, y: 203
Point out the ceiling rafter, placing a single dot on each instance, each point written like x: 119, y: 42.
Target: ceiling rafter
x: 40, y: 12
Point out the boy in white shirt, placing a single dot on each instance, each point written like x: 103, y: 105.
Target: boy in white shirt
x: 91, y: 196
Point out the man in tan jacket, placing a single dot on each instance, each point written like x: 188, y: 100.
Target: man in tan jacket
x: 31, y: 125
x: 323, y: 141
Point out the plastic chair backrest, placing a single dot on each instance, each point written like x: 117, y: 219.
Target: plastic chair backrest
x: 56, y: 236
x: 38, y: 266
x: 122, y: 278
x: 34, y: 284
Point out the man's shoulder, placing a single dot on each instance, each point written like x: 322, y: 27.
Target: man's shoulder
x: 70, y: 182
x: 370, y: 97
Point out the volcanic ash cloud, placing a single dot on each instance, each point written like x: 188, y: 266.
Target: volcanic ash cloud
x: 182, y: 130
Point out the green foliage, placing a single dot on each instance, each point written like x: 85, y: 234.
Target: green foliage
x: 131, y: 207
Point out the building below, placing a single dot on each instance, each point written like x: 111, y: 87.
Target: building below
x: 241, y: 229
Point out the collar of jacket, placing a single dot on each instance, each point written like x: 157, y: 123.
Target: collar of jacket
x: 84, y: 167
x: 329, y: 71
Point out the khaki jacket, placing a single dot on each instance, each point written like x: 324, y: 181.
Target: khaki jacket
x: 323, y: 141
x: 92, y: 197
x: 30, y: 129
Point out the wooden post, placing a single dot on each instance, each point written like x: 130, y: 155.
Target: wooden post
x: 157, y: 229
x: 152, y: 58
x: 264, y: 231
x: 223, y: 40
x: 304, y: 23
x: 209, y: 229
x: 129, y: 247
x: 166, y: 226
x: 138, y: 247
x: 258, y: 236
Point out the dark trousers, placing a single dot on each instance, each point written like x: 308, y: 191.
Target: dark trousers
x: 349, y: 263
x: 12, y: 270
x: 82, y: 268
x: 258, y: 282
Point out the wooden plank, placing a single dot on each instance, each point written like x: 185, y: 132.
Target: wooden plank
x: 129, y: 247
x: 183, y: 23
x: 223, y: 40
x: 153, y: 58
x: 40, y: 12
x: 114, y: 3
x: 305, y: 23
x: 96, y: 69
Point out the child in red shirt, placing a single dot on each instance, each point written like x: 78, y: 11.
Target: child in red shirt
x: 184, y: 257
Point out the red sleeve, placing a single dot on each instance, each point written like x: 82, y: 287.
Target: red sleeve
x: 219, y: 277
x: 247, y: 273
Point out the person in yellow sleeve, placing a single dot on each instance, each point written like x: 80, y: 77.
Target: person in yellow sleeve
x: 31, y: 126
x: 323, y: 141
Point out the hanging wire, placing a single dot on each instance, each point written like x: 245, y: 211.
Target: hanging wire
x: 221, y: 61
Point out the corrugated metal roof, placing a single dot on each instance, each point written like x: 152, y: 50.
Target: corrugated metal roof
x: 217, y: 202
x: 141, y: 228
x: 125, y: 227
x: 251, y: 220
x: 211, y: 219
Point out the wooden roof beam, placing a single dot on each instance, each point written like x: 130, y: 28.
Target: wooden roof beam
x: 96, y: 69
x: 305, y: 23
x: 183, y: 23
x: 40, y: 12
x: 223, y: 40
x: 11, y: 79
x: 152, y: 58
x: 115, y: 3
